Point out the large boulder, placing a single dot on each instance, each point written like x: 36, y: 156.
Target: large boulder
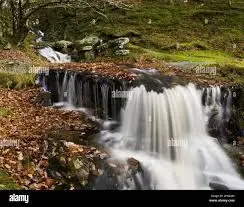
x: 63, y: 45
x: 119, y: 43
x: 72, y: 166
x: 87, y: 41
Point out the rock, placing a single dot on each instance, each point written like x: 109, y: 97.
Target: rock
x: 77, y: 163
x: 242, y: 157
x: 8, y: 46
x: 102, y: 47
x: 87, y: 48
x: 63, y: 46
x: 122, y: 52
x: 133, y: 163
x: 120, y: 42
x: 87, y: 41
x: 218, y: 186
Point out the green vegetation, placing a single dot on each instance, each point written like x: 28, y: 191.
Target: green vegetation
x: 6, y: 183
x: 16, y: 80
x: 4, y: 112
x: 157, y: 27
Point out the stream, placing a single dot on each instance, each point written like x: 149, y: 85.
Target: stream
x: 163, y: 126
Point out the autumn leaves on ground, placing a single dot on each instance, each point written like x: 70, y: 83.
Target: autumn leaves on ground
x: 25, y: 125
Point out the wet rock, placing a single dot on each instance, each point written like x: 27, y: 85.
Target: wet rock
x: 242, y: 157
x: 218, y: 186
x: 71, y: 165
x: 134, y: 164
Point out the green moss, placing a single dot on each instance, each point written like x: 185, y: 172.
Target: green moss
x: 4, y: 112
x: 6, y: 183
x: 29, y: 39
x: 156, y: 27
x: 154, y: 24
x: 16, y: 80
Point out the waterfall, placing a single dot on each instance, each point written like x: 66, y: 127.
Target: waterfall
x: 167, y: 133
x: 50, y: 54
x: 77, y: 91
x: 53, y: 56
x: 166, y: 130
x: 217, y: 108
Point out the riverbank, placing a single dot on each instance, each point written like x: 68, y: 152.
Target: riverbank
x: 25, y: 127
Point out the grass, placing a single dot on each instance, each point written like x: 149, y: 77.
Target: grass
x: 154, y: 27
x: 16, y: 80
x: 206, y: 56
x: 182, y: 23
x: 6, y: 183
x: 4, y: 112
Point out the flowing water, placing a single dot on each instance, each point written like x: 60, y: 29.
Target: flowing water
x: 54, y: 56
x: 166, y: 131
x: 50, y: 54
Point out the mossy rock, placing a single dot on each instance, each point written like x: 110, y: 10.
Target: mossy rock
x: 63, y: 45
x: 87, y: 41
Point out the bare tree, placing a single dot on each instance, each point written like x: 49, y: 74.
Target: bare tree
x: 22, y: 10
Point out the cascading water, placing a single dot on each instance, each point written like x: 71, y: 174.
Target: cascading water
x: 50, y: 54
x: 54, y: 56
x: 166, y: 132
x: 78, y: 91
x: 217, y: 105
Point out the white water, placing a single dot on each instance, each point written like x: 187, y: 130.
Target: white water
x: 152, y: 123
x: 50, y: 54
x: 54, y: 56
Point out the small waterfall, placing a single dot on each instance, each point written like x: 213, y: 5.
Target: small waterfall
x: 80, y: 91
x: 217, y: 108
x: 53, y: 56
x: 166, y: 130
x: 105, y: 91
x: 71, y: 90
x: 167, y: 133
x: 50, y: 54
